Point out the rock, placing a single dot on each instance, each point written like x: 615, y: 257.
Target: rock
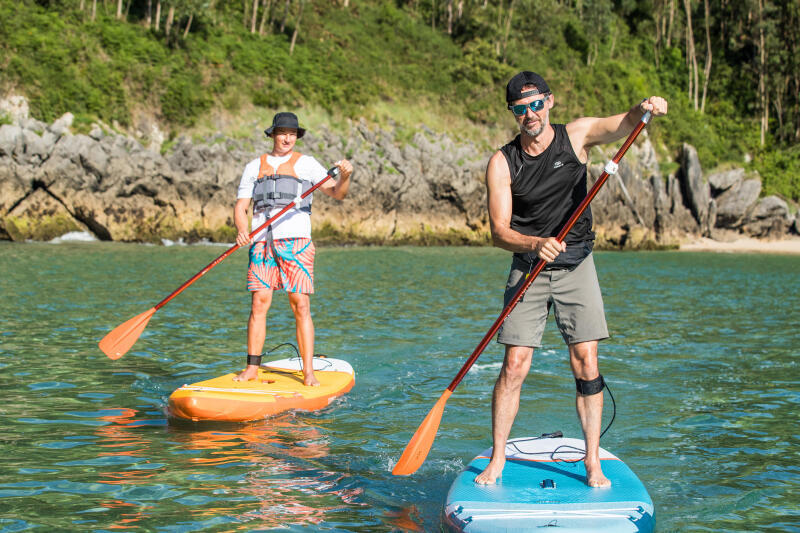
x: 96, y: 132
x: 62, y: 125
x: 769, y: 218
x: 695, y: 191
x: 426, y: 189
x: 15, y: 108
x: 722, y: 181
x: 34, y: 125
x: 35, y: 148
x: 734, y: 204
x: 11, y: 140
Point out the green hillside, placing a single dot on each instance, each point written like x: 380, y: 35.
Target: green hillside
x: 442, y: 63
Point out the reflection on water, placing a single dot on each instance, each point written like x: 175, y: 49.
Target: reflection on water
x: 702, y: 360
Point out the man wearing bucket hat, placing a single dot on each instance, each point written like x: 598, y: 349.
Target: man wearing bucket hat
x: 282, y: 255
x: 534, y: 183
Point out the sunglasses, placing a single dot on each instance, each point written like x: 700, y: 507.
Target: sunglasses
x: 521, y: 109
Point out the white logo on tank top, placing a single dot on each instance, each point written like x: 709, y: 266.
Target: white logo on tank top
x: 558, y: 164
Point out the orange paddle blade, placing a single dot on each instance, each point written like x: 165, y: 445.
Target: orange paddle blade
x: 417, y: 449
x: 120, y: 339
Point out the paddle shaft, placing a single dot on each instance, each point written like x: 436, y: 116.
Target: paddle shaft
x: 540, y: 264
x: 334, y: 171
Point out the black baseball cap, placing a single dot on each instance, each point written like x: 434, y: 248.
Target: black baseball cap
x: 285, y: 120
x: 526, y: 77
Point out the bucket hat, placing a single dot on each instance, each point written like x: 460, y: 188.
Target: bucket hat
x: 285, y: 120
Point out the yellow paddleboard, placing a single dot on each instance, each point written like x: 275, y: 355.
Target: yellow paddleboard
x: 279, y: 387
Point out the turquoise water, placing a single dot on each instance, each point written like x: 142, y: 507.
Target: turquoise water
x: 703, y: 363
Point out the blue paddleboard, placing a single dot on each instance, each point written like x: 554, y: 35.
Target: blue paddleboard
x: 544, y: 485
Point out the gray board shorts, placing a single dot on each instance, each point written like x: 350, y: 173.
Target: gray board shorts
x: 574, y: 294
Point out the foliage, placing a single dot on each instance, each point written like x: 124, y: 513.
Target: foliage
x: 448, y: 60
x: 780, y: 171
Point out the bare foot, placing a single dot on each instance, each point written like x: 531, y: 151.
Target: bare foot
x: 310, y: 380
x: 491, y: 472
x: 248, y: 374
x: 594, y: 475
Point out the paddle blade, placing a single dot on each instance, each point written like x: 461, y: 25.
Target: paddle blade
x: 417, y: 449
x: 120, y: 339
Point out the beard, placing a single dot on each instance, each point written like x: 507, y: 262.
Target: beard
x: 535, y: 132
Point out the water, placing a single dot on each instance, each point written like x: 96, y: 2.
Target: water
x: 703, y: 362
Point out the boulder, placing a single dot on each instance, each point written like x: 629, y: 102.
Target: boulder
x: 722, y: 181
x: 695, y: 190
x: 769, y: 218
x: 11, y: 140
x: 734, y: 204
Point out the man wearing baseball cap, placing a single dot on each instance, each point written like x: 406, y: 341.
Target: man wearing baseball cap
x: 534, y: 184
x: 282, y: 255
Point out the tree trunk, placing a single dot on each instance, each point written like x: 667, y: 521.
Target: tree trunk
x: 119, y: 9
x: 94, y: 9
x: 659, y: 20
x: 265, y: 7
x: 449, y: 17
x: 170, y: 19
x: 296, y: 27
x: 797, y: 106
x: 508, y: 28
x: 158, y: 14
x: 762, y: 74
x: 691, y: 56
x: 149, y: 16
x: 254, y: 18
x: 244, y: 12
x: 671, y: 20
x: 707, y: 66
x: 188, y: 25
x: 285, y: 16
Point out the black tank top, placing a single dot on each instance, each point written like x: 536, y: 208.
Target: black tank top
x: 545, y: 190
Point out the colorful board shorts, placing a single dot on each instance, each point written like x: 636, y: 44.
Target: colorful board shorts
x: 286, y: 264
x: 574, y: 294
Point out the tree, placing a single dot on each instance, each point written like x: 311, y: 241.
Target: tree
x: 254, y: 17
x: 296, y: 27
x: 691, y: 55
x: 707, y: 67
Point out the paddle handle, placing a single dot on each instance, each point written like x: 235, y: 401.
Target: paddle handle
x: 610, y: 168
x: 332, y: 172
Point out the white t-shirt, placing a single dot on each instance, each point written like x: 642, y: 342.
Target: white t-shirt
x: 294, y: 223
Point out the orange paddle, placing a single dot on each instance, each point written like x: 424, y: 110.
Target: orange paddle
x: 420, y: 444
x: 120, y: 339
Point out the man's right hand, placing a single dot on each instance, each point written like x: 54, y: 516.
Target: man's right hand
x: 242, y: 238
x: 549, y: 248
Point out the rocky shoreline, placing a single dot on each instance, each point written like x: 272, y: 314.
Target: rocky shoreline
x: 424, y: 190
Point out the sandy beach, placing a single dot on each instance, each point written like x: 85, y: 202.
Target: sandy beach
x: 788, y: 245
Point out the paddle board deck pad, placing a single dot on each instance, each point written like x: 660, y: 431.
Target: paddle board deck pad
x: 543, y: 485
x: 279, y: 387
